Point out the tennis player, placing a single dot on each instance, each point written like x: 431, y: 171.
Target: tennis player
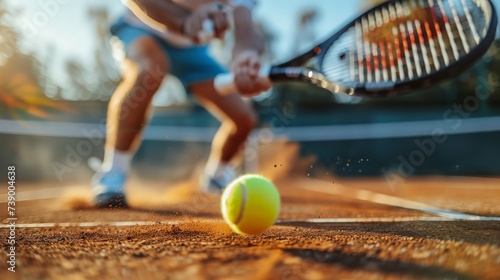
x: 162, y: 37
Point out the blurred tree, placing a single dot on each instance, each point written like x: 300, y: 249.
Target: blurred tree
x: 105, y: 69
x: 20, y: 91
x: 80, y: 88
x: 269, y: 40
x: 306, y: 31
x: 8, y: 37
x: 87, y: 80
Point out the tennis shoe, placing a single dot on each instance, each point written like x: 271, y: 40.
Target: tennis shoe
x: 108, y: 189
x: 217, y: 183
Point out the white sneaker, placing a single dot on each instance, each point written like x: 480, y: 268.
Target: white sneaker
x: 217, y: 183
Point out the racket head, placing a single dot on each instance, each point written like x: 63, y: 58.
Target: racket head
x: 401, y: 46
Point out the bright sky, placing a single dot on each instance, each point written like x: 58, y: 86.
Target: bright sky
x: 63, y: 25
x: 66, y: 26
x: 281, y: 16
x: 60, y: 29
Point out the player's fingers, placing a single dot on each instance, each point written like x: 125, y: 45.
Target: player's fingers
x: 249, y: 87
x: 219, y: 17
x: 244, y: 83
x: 192, y: 28
x: 220, y: 29
x: 221, y: 25
x: 262, y: 84
x: 242, y: 74
x: 253, y: 66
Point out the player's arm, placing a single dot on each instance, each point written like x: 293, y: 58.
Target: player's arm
x: 249, y: 45
x: 247, y: 38
x: 166, y: 15
x: 160, y: 14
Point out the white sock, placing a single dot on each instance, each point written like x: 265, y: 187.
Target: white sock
x: 115, y: 160
x: 213, y: 168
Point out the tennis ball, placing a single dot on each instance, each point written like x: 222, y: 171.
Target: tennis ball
x: 250, y: 204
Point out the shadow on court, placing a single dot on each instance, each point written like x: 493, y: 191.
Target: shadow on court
x: 472, y: 232
x: 361, y: 262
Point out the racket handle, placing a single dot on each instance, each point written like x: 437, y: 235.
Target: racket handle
x: 207, y: 33
x: 224, y: 83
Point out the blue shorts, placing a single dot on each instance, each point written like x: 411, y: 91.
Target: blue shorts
x: 190, y: 64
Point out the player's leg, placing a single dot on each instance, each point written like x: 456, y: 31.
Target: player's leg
x: 196, y: 69
x: 237, y: 119
x: 144, y: 69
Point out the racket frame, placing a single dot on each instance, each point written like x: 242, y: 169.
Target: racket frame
x: 293, y: 70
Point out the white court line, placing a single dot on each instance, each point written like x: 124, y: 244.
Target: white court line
x: 278, y: 223
x: 93, y: 224
x: 476, y: 186
x: 384, y: 199
x: 386, y: 220
x: 49, y: 193
x: 469, y: 187
x: 443, y: 214
x: 35, y: 194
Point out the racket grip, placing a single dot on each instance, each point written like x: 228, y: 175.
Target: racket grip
x: 224, y: 83
x: 207, y: 33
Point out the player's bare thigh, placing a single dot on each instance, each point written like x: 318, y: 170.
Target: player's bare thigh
x: 145, y: 56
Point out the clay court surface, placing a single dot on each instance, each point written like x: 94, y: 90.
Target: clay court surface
x: 329, y: 228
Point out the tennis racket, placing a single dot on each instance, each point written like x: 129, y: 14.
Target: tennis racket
x: 393, y: 48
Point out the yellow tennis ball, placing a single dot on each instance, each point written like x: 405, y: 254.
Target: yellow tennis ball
x: 250, y: 204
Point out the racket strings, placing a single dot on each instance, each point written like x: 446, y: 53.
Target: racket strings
x: 406, y: 40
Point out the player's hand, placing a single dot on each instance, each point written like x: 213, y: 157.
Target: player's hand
x: 246, y: 66
x: 193, y: 24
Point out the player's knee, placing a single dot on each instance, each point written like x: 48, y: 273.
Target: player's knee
x: 150, y: 64
x: 247, y: 122
x: 151, y: 73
